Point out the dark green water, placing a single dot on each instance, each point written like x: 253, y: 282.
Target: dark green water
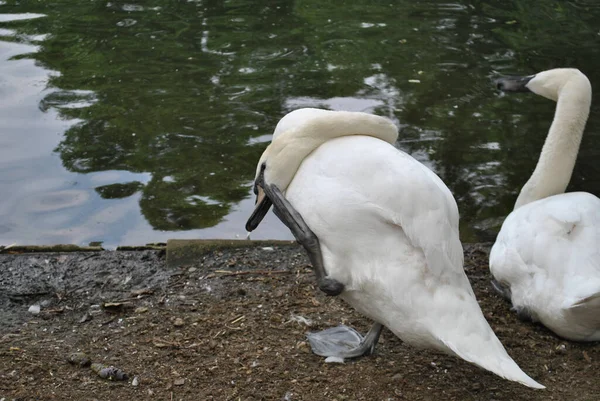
x: 132, y: 122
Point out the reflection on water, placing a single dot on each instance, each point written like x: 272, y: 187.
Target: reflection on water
x: 132, y: 122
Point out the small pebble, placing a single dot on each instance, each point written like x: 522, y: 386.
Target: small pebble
x: 79, y: 358
x: 135, y: 381
x: 178, y: 322
x: 587, y: 357
x: 35, y: 309
x: 109, y: 372
x: 179, y: 382
x: 303, y: 346
x: 85, y: 318
x: 334, y: 359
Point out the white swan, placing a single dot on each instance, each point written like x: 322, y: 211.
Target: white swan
x: 546, y: 258
x: 387, y: 230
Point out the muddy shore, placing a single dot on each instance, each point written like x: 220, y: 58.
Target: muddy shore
x: 230, y: 324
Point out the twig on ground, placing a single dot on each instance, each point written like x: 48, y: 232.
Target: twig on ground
x: 223, y: 273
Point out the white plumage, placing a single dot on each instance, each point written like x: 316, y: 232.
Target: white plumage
x: 388, y: 230
x: 547, y: 252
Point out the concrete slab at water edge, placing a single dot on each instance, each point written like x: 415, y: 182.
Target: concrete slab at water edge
x: 183, y: 252
x: 49, y: 275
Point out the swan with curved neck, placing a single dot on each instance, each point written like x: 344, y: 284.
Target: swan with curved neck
x: 545, y: 259
x: 381, y: 231
x: 573, y: 93
x: 299, y: 133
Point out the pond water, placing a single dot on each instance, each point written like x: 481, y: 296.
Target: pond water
x: 129, y: 122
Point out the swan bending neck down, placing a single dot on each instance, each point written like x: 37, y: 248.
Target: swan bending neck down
x: 301, y: 132
x: 545, y: 259
x: 385, y: 229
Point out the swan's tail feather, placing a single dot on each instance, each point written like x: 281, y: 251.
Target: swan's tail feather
x: 587, y: 310
x: 502, y: 365
x: 593, y: 299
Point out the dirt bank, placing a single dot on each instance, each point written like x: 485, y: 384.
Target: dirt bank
x: 228, y: 327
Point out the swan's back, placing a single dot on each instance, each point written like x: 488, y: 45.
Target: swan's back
x: 548, y: 253
x: 352, y: 189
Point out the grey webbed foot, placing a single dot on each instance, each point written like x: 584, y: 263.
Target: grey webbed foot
x: 523, y: 314
x: 502, y: 289
x: 304, y: 235
x: 344, y: 342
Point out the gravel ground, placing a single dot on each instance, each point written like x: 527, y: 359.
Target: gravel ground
x: 231, y: 326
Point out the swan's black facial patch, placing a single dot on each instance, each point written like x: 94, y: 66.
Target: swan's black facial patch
x: 513, y: 84
x: 263, y: 203
x: 260, y: 177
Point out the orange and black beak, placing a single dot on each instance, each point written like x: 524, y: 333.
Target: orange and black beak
x: 263, y: 203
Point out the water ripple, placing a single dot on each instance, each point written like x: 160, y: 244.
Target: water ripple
x: 19, y: 17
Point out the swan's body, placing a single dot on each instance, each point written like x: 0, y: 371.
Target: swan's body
x: 388, y: 230
x: 547, y: 253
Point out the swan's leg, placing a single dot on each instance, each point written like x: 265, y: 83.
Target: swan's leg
x: 304, y: 235
x: 502, y: 289
x: 524, y: 314
x: 344, y: 342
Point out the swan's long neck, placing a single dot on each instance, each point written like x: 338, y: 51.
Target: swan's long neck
x: 557, y: 160
x: 290, y: 148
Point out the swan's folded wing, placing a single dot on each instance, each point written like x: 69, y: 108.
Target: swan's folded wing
x: 586, y: 310
x: 428, y: 215
x: 552, y: 242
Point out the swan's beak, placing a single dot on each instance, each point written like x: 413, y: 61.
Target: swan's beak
x: 514, y: 84
x: 263, y: 204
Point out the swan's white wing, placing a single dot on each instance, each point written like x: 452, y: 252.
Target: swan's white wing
x: 424, y: 208
x: 548, y: 252
x: 430, y: 219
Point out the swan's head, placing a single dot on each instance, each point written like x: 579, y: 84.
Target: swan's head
x: 299, y: 133
x: 548, y: 84
x: 272, y: 169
